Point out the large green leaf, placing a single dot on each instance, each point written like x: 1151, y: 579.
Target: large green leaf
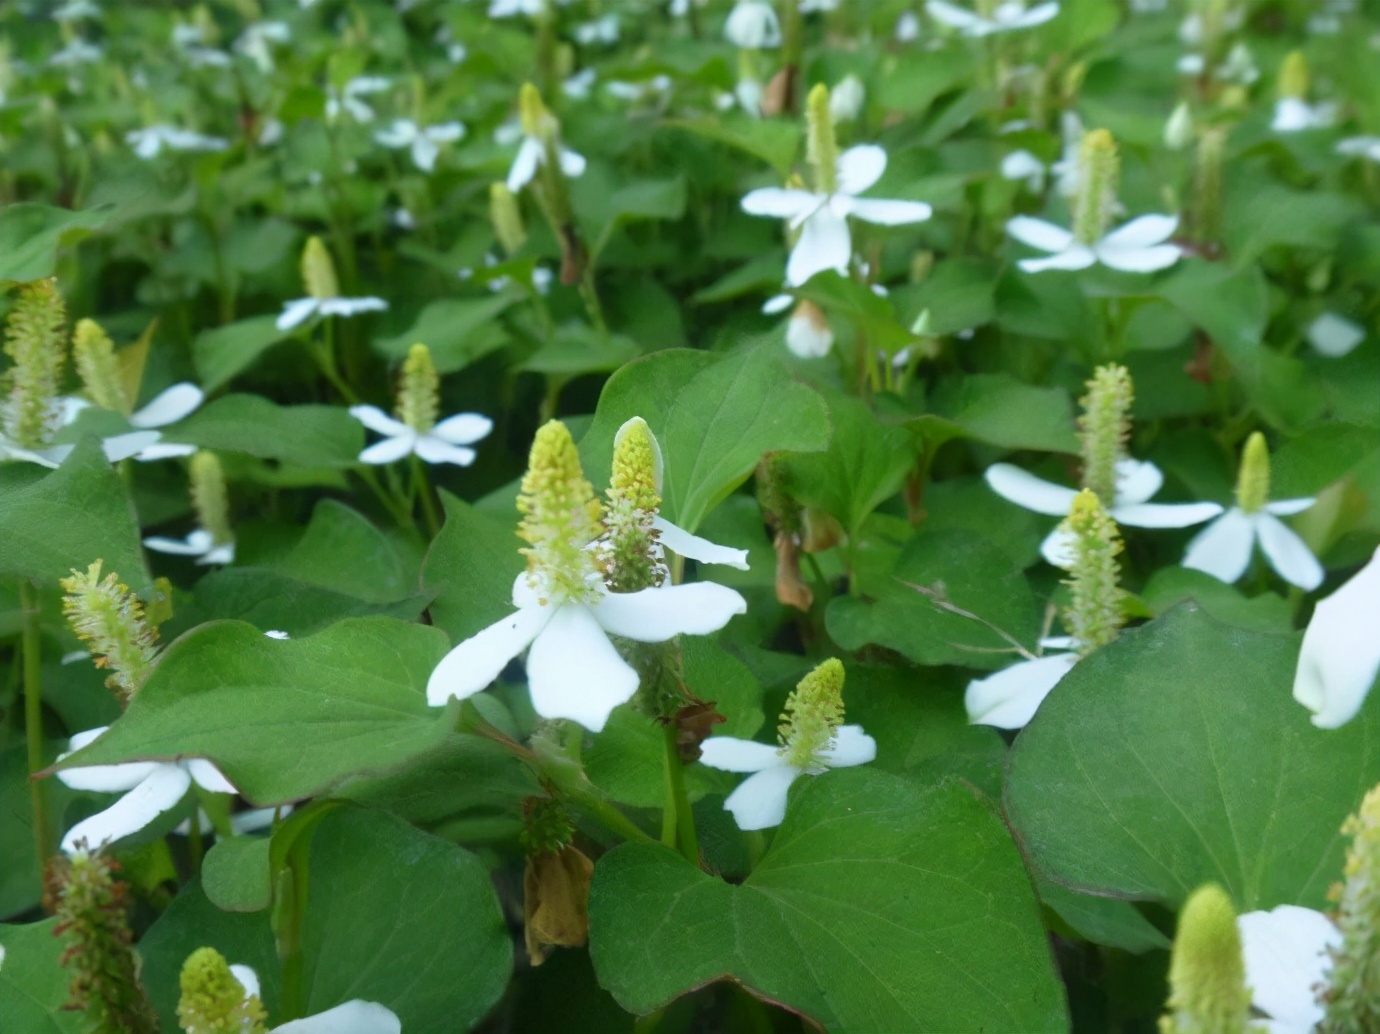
x: 879, y: 907
x: 33, y: 985
x: 51, y: 523
x: 288, y: 719
x: 775, y: 142
x: 31, y: 235
x: 306, y: 435
x: 1000, y: 410
x: 222, y: 352
x: 1177, y: 755
x: 457, y: 331
x: 470, y: 568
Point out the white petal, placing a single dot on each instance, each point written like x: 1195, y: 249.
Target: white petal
x: 476, y: 662
x: 163, y: 788
x: 377, y: 420
x: 1288, y: 507
x: 389, y: 450
x: 222, y: 554
x: 574, y: 672
x: 398, y: 133
x: 780, y: 202
x: 851, y: 747
x: 889, y: 213
x: 351, y: 306
x: 82, y: 739
x: 683, y: 543
x: 1010, y: 698
x: 1037, y: 15
x: 1223, y: 548
x: 248, y: 979
x: 1285, y: 952
x: 1287, y: 553
x: 195, y: 544
x: 169, y: 406
x: 162, y: 450
x: 731, y: 754
x: 1076, y: 257
x: 1026, y: 490
x: 951, y: 15
x: 1143, y: 232
x: 1039, y: 234
x: 655, y: 615
x: 354, y: 1017
x: 1334, y: 336
x: 425, y: 151
x: 463, y: 428
x: 760, y: 800
x: 433, y: 450
x: 1165, y: 515
x: 1292, y: 115
x: 1136, y: 481
x: 777, y: 303
x: 208, y: 776
x: 296, y: 313
x: 1058, y: 547
x: 860, y: 167
x: 1340, y: 657
x: 107, y: 778
x: 135, y: 443
x: 1138, y: 260
x: 824, y: 244
x: 446, y: 132
x: 525, y: 164
x: 572, y: 164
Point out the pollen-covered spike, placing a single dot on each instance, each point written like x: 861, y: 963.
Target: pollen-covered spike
x: 821, y: 145
x: 110, y: 620
x: 560, y: 514
x: 93, y: 353
x: 213, y: 1001
x: 318, y: 270
x: 1099, y: 170
x: 1207, y: 971
x: 210, y: 499
x: 1094, y: 616
x: 1104, y: 428
x: 1352, y: 998
x: 34, y: 343
x: 629, y: 551
x: 1253, y: 478
x: 813, y: 714
x: 419, y: 390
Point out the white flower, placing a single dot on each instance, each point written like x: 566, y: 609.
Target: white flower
x: 846, y: 99
x: 808, y: 334
x: 1136, y: 247
x: 149, y: 142
x: 759, y: 802
x: 822, y: 219
x: 76, y: 10
x: 255, y: 42
x: 601, y: 30
x: 511, y: 8
x: 424, y: 142
x: 353, y: 1017
x: 1286, y: 955
x: 299, y: 310
x: 168, y: 407
x: 1238, y: 68
x: 578, y: 86
x: 1334, y: 336
x: 809, y: 6
x: 199, y: 543
x: 1340, y: 657
x: 752, y: 25
x: 348, y: 98
x: 1366, y: 146
x: 646, y: 89
x: 1009, y: 698
x: 531, y: 154
x: 907, y: 27
x: 444, y: 443
x: 149, y: 787
x: 1007, y: 16
x: 1022, y: 165
x: 573, y: 671
x: 1223, y: 549
x: 77, y: 52
x: 1136, y: 482
x: 1293, y: 115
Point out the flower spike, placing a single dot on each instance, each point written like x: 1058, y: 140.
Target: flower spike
x: 1353, y: 994
x: 94, y: 355
x: 629, y: 552
x: 1104, y: 428
x: 419, y: 390
x: 33, y: 341
x: 822, y: 147
x: 1207, y: 973
x: 814, y: 711
x: 1099, y: 171
x: 318, y: 271
x: 213, y: 1001
x: 110, y: 620
x: 1095, y: 616
x: 560, y: 515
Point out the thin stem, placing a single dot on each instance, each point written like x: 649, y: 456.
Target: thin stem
x: 324, y: 353
x: 33, y: 715
x: 608, y: 816
x: 402, y: 516
x: 678, y: 801
x: 590, y: 296
x: 195, y: 846
x: 421, y: 485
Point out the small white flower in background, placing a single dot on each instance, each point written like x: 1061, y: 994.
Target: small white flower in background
x: 213, y: 541
x: 1009, y: 698
x: 1239, y: 67
x: 808, y: 334
x: 425, y: 142
x: 169, y: 406
x: 274, y: 633
x: 812, y: 6
x: 1340, y: 658
x: 1367, y: 147
x: 1178, y: 128
x: 538, y: 129
x: 1006, y: 17
x: 149, y: 788
x: 907, y: 27
x: 813, y: 739
x: 752, y: 25
x: 199, y: 543
x: 601, y: 30
x: 1286, y: 951
x: 578, y: 86
x: 75, y: 11
x: 513, y: 8
x: 418, y: 433
x: 1024, y: 166
x: 271, y: 131
x: 150, y: 141
x: 190, y: 41
x: 456, y: 51
x: 323, y: 291
x: 1334, y: 336
x: 349, y: 99
x: 846, y: 100
x: 77, y: 52
x: 1293, y: 115
x: 655, y: 88
x: 353, y: 1017
x: 256, y: 42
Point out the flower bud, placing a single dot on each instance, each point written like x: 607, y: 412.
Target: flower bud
x: 1099, y: 170
x: 1352, y: 998
x: 813, y: 714
x: 1094, y: 616
x: 318, y: 271
x: 1178, y: 131
x: 821, y: 146
x: 537, y: 122
x: 94, y: 355
x: 808, y: 334
x: 1253, y: 478
x: 1293, y: 77
x: 506, y: 218
x: 1104, y: 428
x: 34, y: 344
x: 560, y: 516
x: 629, y: 550
x: 1207, y: 971
x: 213, y: 1001
x: 210, y: 500
x: 110, y: 620
x: 419, y: 390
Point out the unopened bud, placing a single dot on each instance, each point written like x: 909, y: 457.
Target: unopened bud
x: 506, y: 218
x: 1104, y: 427
x: 1212, y: 145
x: 1207, y: 971
x: 1253, y: 478
x: 419, y: 390
x: 1178, y: 131
x: 94, y: 356
x: 318, y: 271
x: 34, y: 343
x: 1293, y: 77
x: 808, y: 334
x: 536, y: 120
x: 1099, y: 170
x: 1094, y: 616
x: 821, y: 146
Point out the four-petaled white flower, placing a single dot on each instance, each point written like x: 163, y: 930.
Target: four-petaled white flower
x: 822, y: 219
x: 1006, y: 17
x: 149, y: 787
x: 1223, y: 549
x: 150, y: 141
x: 349, y: 98
x: 752, y: 25
x: 532, y: 153
x: 1009, y: 698
x: 1293, y: 115
x: 145, y: 444
x: 299, y: 310
x: 1340, y: 658
x: 199, y: 543
x: 759, y: 802
x: 1367, y: 147
x: 77, y: 52
x: 353, y: 1017
x: 1136, y: 482
x: 255, y: 42
x: 425, y: 142
x: 1286, y: 951
x: 1136, y: 247
x: 444, y: 443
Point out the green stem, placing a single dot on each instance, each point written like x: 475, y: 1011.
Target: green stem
x: 194, y: 843
x: 590, y: 296
x: 33, y: 716
x: 607, y: 816
x: 422, y: 486
x: 678, y: 801
x: 402, y: 516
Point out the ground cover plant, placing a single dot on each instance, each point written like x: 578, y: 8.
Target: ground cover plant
x: 678, y: 516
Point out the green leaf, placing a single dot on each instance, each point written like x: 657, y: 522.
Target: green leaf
x: 1109, y: 921
x: 775, y: 142
x: 305, y: 435
x: 220, y: 353
x: 958, y: 294
x: 912, y: 86
x: 457, y: 331
x: 879, y: 907
x: 33, y: 984
x: 643, y: 200
x: 20, y: 879
x: 374, y: 570
x: 714, y: 416
x: 577, y: 349
x: 470, y: 568
x: 1000, y: 410
x: 235, y: 874
x: 31, y: 235
x: 53, y: 522
x: 1170, y: 586
x: 1177, y: 755
x: 285, y: 719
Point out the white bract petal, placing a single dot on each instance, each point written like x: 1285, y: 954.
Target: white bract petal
x: 658, y: 614
x: 297, y: 312
x: 1136, y: 481
x: 377, y: 420
x: 574, y: 672
x: 781, y: 202
x: 1009, y: 698
x: 681, y: 542
x: 1340, y: 658
x: 1288, y: 554
x: 851, y: 747
x: 731, y: 754
x: 1028, y: 491
x: 351, y: 306
x: 169, y: 406
x: 1334, y: 336
x: 390, y: 450
x: 1286, y: 956
x: 1223, y: 548
x: 106, y: 778
x: 1142, y: 232
x: 1039, y: 234
x: 431, y: 449
x: 208, y: 776
x: 463, y: 428
x: 825, y: 243
x: 752, y: 25
x: 477, y: 661
x: 860, y: 168
x: 889, y: 213
x: 353, y: 1017
x: 1164, y: 515
x: 759, y: 802
x: 525, y: 162
x: 164, y: 787
x: 248, y: 979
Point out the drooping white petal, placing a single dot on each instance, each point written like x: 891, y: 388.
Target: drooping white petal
x: 1009, y: 698
x: 159, y: 450
x: 1340, y: 658
x: 851, y: 747
x: 731, y: 754
x: 1288, y: 507
x: 208, y: 776
x: 572, y: 164
x: 398, y: 133
x: 463, y: 428
x: 1022, y: 165
x: 1058, y: 547
x: 1334, y: 336
x: 525, y: 163
x: 1286, y: 955
x: 1037, y: 15
x: 377, y: 420
x: 574, y: 672
x: 446, y: 132
x: 1138, y: 260
x: 248, y: 979
x: 137, y: 444
x: 107, y: 778
x: 351, y: 306
x: 389, y: 450
x: 197, y: 543
x: 296, y: 313
x: 425, y: 151
x: 222, y: 554
x: 953, y: 16
x: 655, y: 615
x: 476, y: 662
x: 777, y: 303
x: 1039, y: 234
x: 1076, y: 257
x: 889, y: 213
x: 1287, y: 553
x: 82, y: 739
x: 353, y: 1017
x: 1223, y: 548
x: 679, y: 541
x: 860, y: 167
x: 169, y: 406
x: 759, y: 802
x: 1142, y: 232
x: 780, y: 202
x: 1136, y: 481
x: 433, y: 450
x: 1026, y: 490
x: 163, y: 788
x: 1165, y: 515
x: 824, y: 244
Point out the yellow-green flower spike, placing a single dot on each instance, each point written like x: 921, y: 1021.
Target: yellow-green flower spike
x: 419, y: 390
x: 560, y: 516
x: 506, y: 217
x: 1352, y: 998
x: 213, y: 1001
x: 1105, y: 427
x: 318, y: 270
x: 93, y: 353
x: 536, y: 120
x: 629, y: 552
x: 1207, y: 182
x: 110, y: 620
x: 813, y: 714
x: 1099, y: 169
x: 34, y: 343
x: 1207, y: 972
x: 1293, y: 77
x: 210, y: 500
x: 821, y: 145
x: 1253, y: 479
x: 1094, y: 616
